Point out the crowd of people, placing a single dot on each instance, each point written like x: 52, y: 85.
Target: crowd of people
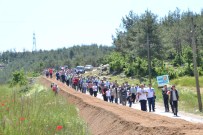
x: 112, y: 92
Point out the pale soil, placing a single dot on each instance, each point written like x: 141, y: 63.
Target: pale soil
x: 105, y: 118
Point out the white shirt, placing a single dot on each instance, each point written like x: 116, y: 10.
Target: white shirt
x: 133, y: 90
x: 142, y: 94
x: 108, y: 93
x: 94, y: 88
x: 150, y: 92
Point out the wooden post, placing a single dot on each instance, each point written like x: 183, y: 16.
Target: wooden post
x: 194, y: 48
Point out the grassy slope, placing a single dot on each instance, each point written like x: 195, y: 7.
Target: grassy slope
x: 187, y: 81
x: 39, y: 113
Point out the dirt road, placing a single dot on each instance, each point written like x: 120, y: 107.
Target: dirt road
x: 105, y: 118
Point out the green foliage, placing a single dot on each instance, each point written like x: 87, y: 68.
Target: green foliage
x: 178, y: 61
x: 172, y: 73
x: 19, y: 78
x: 116, y: 62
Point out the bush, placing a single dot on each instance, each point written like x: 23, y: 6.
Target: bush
x: 178, y: 61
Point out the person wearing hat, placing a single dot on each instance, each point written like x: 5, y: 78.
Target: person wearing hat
x: 174, y: 97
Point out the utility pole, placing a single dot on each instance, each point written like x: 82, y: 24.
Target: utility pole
x: 34, y: 48
x: 149, y: 57
x: 194, y: 48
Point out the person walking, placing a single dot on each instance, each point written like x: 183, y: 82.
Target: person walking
x: 104, y: 93
x: 90, y: 85
x: 57, y: 76
x: 108, y: 95
x: 63, y: 77
x: 115, y: 87
x: 130, y: 99
x: 94, y: 87
x: 174, y: 97
x: 133, y: 92
x: 165, y: 97
x: 142, y: 97
x: 50, y: 72
x: 84, y: 86
x: 150, y: 98
x: 123, y: 95
x: 113, y: 94
x: 47, y: 73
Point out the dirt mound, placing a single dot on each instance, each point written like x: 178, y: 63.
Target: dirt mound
x: 105, y: 118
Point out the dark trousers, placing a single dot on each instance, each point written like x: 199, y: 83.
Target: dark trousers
x: 143, y: 104
x: 75, y: 86
x: 175, y: 107
x: 112, y: 98
x: 63, y: 78
x: 171, y: 104
x: 57, y: 77
x: 104, y: 97
x: 123, y: 100
x: 130, y: 102
x: 91, y: 91
x: 166, y: 104
x: 95, y: 93
x: 67, y: 82
x: 133, y: 97
x: 151, y: 103
x: 50, y: 74
x: 116, y: 100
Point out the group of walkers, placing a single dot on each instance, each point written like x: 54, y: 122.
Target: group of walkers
x: 124, y: 94
x: 170, y: 95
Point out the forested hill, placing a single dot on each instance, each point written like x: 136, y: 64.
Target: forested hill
x: 167, y: 40
x: 37, y: 61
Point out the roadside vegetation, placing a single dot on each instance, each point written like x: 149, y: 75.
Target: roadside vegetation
x: 37, y: 111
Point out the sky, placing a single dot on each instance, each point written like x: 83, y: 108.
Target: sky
x: 64, y: 23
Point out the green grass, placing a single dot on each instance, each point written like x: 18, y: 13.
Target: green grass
x: 187, y: 81
x: 38, y: 113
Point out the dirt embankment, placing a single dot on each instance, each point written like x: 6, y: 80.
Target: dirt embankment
x: 110, y: 119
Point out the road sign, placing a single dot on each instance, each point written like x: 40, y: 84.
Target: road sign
x: 162, y: 80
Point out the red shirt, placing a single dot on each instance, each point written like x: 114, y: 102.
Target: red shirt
x: 50, y: 70
x: 75, y: 80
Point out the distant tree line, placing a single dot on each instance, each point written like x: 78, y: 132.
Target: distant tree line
x: 36, y: 62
